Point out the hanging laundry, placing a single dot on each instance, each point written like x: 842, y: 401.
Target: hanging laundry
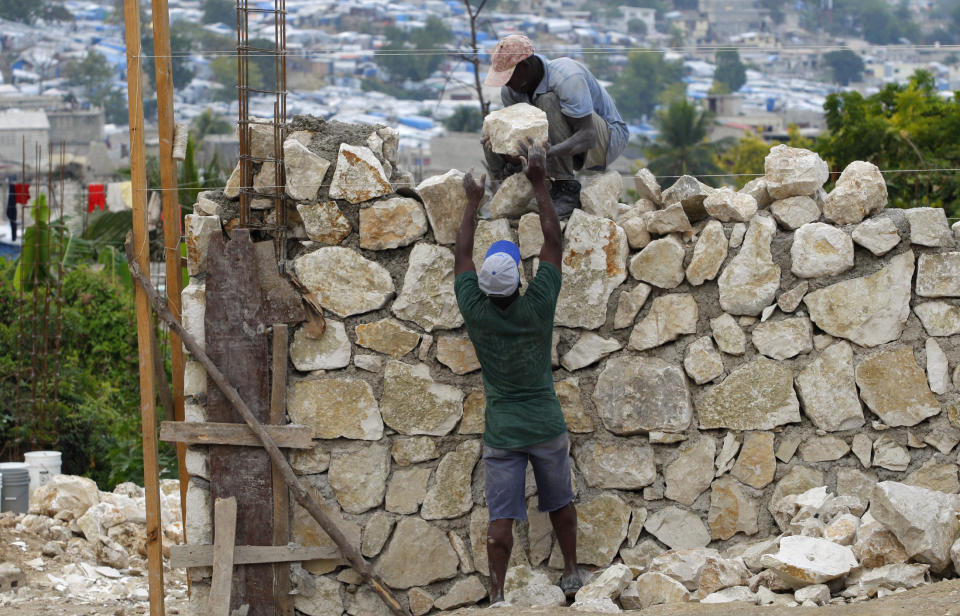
x: 23, y: 193
x: 96, y: 197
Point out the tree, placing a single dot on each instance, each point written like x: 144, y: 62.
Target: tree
x: 641, y: 81
x: 210, y: 123
x: 474, y: 7
x: 396, y: 57
x: 16, y: 10
x: 224, y: 71
x: 846, y: 65
x: 745, y: 158
x: 637, y: 26
x: 682, y: 147
x: 219, y: 11
x: 91, y: 73
x: 730, y: 70
x: 900, y: 127
x: 464, y: 120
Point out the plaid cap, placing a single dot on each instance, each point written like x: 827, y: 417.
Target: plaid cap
x: 510, y: 51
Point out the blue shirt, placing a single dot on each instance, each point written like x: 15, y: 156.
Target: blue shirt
x: 580, y: 95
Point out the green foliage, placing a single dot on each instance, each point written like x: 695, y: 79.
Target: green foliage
x: 97, y: 417
x: 730, y: 70
x: 94, y: 75
x: 845, y: 64
x: 644, y: 77
x: 600, y: 65
x: 396, y: 60
x: 900, y: 127
x: 465, y: 119
x: 745, y: 158
x: 682, y: 147
x: 219, y: 11
x: 181, y: 43
x: 210, y: 123
x: 33, y: 268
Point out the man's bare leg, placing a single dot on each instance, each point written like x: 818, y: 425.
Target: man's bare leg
x: 564, y: 522
x: 499, y: 545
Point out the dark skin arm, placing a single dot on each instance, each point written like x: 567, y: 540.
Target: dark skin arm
x: 463, y: 249
x: 583, y: 138
x: 535, y: 168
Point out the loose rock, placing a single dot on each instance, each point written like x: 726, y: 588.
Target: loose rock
x: 794, y: 171
x: 358, y: 176
x: 511, y: 126
x: 820, y: 250
x: 859, y: 192
x: 878, y: 235
x: 728, y: 206
x: 929, y: 227
x: 794, y: 212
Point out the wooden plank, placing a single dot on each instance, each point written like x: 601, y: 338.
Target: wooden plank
x: 281, y: 494
x: 141, y: 252
x: 224, y: 534
x: 186, y: 556
x: 162, y: 62
x: 292, y: 436
x: 238, y: 340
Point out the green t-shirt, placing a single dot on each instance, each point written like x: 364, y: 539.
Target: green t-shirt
x: 513, y: 346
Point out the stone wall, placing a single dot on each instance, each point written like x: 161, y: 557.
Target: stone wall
x: 715, y: 352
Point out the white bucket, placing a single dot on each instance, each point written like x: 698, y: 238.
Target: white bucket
x: 42, y: 466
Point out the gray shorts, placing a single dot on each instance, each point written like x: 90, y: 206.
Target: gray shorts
x: 505, y: 471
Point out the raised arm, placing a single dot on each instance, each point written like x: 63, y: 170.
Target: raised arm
x: 535, y: 168
x: 463, y: 250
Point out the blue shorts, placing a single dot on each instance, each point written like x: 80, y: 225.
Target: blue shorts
x: 505, y: 471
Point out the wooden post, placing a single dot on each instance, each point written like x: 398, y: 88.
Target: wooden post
x: 141, y: 252
x: 162, y: 62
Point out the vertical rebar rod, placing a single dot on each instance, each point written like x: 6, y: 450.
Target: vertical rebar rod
x: 59, y: 297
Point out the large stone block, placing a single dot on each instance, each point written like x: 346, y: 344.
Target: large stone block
x: 690, y: 193
x: 691, y: 472
x: 820, y: 250
x: 929, y: 227
x: 670, y: 316
x: 197, y: 232
x: 392, y: 223
x: 336, y: 407
x: 427, y: 296
x: 359, y: 477
x: 617, y: 464
x: 330, y: 352
x: 324, y: 222
x: 600, y: 194
x: 732, y: 511
x: 879, y: 235
x: 828, y: 390
x: 784, y: 338
x: 803, y: 561
x: 457, y: 353
x: 924, y: 521
x: 387, y: 336
x: 708, y: 254
x: 728, y: 206
x: 444, y: 199
x: 511, y: 126
x: 637, y: 394
x: 660, y: 263
x: 756, y: 396
x: 601, y: 527
x: 594, y: 264
x: 791, y: 172
x: 358, y: 176
x: 343, y: 281
x: 413, y: 403
x: 451, y: 494
x: 895, y: 388
x: 938, y: 275
x: 418, y: 554
x: 939, y: 318
x: 304, y: 170
x: 868, y: 311
x: 513, y: 199
x: 750, y: 281
x: 647, y: 186
x: 756, y: 465
x: 859, y: 192
x: 794, y: 212
x: 678, y: 528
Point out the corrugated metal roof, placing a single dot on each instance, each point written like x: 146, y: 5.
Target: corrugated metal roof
x: 16, y: 119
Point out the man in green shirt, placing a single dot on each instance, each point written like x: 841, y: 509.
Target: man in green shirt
x: 512, y: 335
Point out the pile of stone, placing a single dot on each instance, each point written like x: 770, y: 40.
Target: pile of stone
x: 94, y: 543
x: 715, y: 352
x: 833, y: 549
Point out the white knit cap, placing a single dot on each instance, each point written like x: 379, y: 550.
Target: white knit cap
x: 499, y: 275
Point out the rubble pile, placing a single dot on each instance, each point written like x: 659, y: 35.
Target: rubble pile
x: 84, y: 545
x: 718, y: 354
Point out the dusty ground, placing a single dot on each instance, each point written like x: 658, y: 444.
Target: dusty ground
x: 940, y: 599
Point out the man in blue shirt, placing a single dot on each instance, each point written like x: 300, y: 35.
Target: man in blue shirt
x: 585, y: 128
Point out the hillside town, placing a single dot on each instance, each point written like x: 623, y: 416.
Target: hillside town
x: 336, y: 70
